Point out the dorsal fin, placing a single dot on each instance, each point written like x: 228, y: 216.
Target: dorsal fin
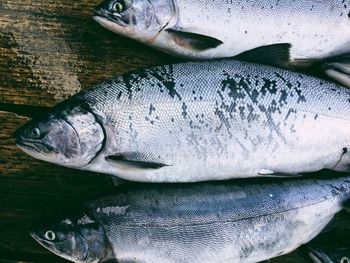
x: 274, y: 55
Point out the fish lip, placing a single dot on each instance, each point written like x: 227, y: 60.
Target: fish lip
x: 25, y: 145
x: 101, y: 14
x: 42, y: 243
x: 39, y: 240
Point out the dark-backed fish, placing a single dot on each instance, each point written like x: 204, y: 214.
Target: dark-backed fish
x: 242, y: 222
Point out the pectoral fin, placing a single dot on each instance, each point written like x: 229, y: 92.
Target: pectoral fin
x: 133, y: 161
x: 193, y: 41
x: 274, y: 55
x: 270, y: 173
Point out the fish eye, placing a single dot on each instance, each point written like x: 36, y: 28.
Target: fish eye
x: 50, y: 235
x: 35, y: 132
x: 344, y: 260
x: 118, y: 7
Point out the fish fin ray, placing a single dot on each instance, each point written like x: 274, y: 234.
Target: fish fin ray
x: 340, y: 72
x: 335, y: 68
x: 270, y: 173
x: 132, y: 160
x: 193, y: 40
x: 274, y: 55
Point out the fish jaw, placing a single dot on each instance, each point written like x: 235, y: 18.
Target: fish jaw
x: 53, y: 250
x: 114, y: 27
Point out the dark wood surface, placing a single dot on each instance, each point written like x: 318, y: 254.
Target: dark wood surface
x: 49, y: 50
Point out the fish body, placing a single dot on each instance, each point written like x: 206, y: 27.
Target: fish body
x: 223, y: 28
x: 209, y: 222
x: 198, y: 121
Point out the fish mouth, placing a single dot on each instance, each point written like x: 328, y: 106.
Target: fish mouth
x: 31, y: 147
x: 318, y: 256
x: 41, y: 242
x: 101, y: 16
x: 37, y: 150
x: 47, y: 246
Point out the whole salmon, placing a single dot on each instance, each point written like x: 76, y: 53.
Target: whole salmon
x: 198, y: 121
x: 239, y: 222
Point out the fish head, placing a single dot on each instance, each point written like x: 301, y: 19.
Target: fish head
x: 70, y: 136
x: 78, y: 239
x: 141, y: 20
x: 330, y: 255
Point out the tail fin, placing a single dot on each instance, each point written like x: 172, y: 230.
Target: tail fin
x: 336, y: 69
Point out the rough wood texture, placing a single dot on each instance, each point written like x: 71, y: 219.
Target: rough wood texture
x: 49, y: 50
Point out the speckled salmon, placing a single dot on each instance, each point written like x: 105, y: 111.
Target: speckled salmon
x: 263, y: 30
x: 239, y: 222
x: 198, y: 121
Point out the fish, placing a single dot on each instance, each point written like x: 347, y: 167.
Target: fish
x: 198, y: 121
x: 239, y: 221
x: 300, y: 35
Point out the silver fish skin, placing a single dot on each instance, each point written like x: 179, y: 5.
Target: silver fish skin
x: 223, y: 28
x: 198, y: 121
x: 243, y: 222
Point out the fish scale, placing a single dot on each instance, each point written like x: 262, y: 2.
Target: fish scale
x: 231, y: 222
x: 222, y: 28
x: 250, y: 24
x: 242, y: 221
x: 303, y: 35
x: 219, y: 112
x: 200, y: 121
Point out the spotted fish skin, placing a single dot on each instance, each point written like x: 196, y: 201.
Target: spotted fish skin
x: 208, y: 121
x: 223, y: 119
x: 250, y: 24
x: 237, y: 26
x: 245, y: 221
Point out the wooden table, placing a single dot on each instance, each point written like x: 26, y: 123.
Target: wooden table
x: 49, y: 50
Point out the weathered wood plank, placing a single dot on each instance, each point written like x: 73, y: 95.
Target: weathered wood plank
x: 50, y: 50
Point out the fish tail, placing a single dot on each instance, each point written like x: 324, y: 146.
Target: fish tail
x: 339, y: 70
x: 336, y: 69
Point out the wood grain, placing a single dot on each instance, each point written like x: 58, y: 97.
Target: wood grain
x: 49, y: 50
